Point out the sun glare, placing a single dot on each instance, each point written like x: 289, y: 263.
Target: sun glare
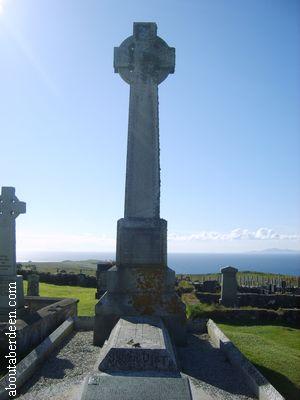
x: 2, y: 2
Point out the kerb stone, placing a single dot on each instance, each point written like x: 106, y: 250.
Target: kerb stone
x: 138, y: 344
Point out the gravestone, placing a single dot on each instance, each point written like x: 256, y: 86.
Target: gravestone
x: 11, y: 284
x: 141, y: 282
x: 102, y: 268
x: 33, y: 285
x: 229, y: 287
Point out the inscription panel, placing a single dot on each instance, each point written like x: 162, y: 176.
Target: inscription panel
x: 5, y: 265
x: 142, y: 246
x: 138, y: 360
x: 4, y: 288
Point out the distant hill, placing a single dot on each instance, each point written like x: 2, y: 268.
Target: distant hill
x: 274, y: 251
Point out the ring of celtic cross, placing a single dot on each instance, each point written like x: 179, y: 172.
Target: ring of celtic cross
x: 150, y: 59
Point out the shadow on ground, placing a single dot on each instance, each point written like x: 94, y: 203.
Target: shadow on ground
x: 287, y: 388
x: 57, y: 372
x: 208, y: 365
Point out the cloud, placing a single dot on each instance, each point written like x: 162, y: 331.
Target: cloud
x: 43, y: 241
x: 29, y: 241
x: 235, y: 234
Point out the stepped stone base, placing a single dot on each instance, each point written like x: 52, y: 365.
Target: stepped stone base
x: 138, y: 344
x: 140, y: 284
x: 140, y: 291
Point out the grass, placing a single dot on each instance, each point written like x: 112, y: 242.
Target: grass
x: 274, y: 350
x: 86, y: 296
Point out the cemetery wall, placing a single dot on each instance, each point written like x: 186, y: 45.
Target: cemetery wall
x: 64, y: 279
x: 271, y: 301
x: 288, y: 316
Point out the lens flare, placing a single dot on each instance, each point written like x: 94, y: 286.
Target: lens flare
x: 1, y: 6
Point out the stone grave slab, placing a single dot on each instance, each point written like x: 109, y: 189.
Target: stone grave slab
x: 107, y: 387
x: 138, y: 344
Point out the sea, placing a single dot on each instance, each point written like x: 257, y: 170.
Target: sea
x: 193, y: 263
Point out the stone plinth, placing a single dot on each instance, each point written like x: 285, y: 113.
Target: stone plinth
x: 141, y: 241
x: 138, y: 344
x: 229, y: 287
x: 140, y: 291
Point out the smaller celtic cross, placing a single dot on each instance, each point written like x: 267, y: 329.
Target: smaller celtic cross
x: 10, y: 209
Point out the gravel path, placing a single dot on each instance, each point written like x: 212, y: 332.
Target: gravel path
x: 61, y: 375
x: 211, y: 375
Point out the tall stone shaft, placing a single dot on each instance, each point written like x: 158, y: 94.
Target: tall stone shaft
x: 141, y: 282
x: 143, y: 60
x: 142, y: 194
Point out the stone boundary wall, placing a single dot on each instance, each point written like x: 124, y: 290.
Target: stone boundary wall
x: 254, y: 379
x: 269, y: 301
x: 63, y: 279
x: 287, y: 317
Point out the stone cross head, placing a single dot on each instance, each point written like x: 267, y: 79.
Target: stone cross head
x: 144, y: 56
x: 10, y: 206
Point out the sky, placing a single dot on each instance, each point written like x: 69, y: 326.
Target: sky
x: 229, y: 122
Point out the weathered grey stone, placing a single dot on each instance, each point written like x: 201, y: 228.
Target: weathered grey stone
x: 101, y: 279
x: 210, y: 286
x: 141, y: 283
x: 11, y: 285
x: 103, y: 387
x: 141, y: 241
x: 33, y: 285
x: 138, y: 344
x: 229, y: 287
x: 253, y: 378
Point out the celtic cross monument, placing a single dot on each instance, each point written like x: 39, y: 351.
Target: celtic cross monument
x: 141, y: 282
x: 10, y: 283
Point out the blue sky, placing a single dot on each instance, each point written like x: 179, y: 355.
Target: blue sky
x: 229, y: 121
